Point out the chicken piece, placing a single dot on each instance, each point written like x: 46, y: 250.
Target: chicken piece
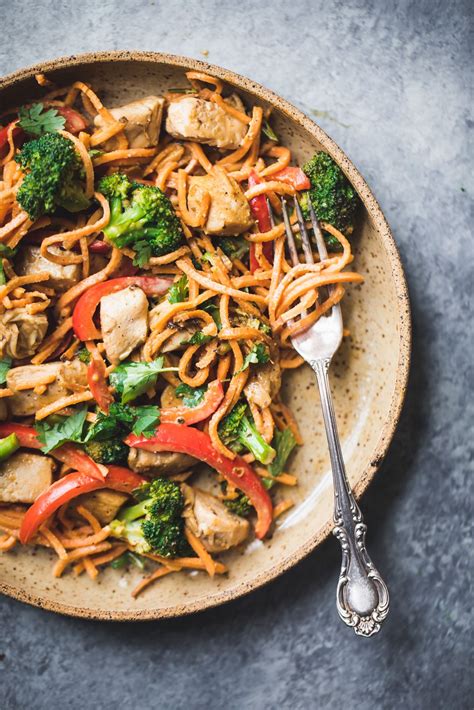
x: 21, y: 333
x: 103, y: 504
x: 163, y: 463
x: 264, y: 385
x: 142, y: 119
x: 24, y: 476
x: 72, y: 375
x: 124, y: 322
x: 211, y: 521
x: 205, y: 122
x: 229, y: 213
x: 61, y: 378
x: 61, y: 277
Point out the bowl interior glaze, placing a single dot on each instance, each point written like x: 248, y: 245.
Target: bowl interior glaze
x: 368, y: 376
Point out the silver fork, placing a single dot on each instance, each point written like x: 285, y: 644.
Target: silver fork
x: 362, y: 596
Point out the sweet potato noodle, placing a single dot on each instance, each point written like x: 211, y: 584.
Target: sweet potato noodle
x: 147, y: 305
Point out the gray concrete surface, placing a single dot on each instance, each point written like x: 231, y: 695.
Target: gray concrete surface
x: 392, y: 83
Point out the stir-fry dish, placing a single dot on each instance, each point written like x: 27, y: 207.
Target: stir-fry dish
x: 147, y: 306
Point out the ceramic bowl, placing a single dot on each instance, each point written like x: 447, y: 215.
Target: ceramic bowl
x: 369, y: 374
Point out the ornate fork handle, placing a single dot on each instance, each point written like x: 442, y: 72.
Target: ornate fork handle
x: 362, y: 595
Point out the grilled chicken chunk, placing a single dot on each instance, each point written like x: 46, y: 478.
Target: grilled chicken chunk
x: 61, y: 277
x: 205, y: 122
x: 164, y: 463
x: 103, y: 504
x: 142, y: 119
x: 24, y: 476
x: 229, y: 213
x: 211, y: 521
x: 62, y: 378
x: 264, y: 384
x: 21, y: 333
x: 124, y: 322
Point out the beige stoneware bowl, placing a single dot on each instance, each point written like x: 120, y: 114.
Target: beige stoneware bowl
x: 369, y: 374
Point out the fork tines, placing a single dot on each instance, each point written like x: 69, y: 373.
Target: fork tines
x: 305, y: 237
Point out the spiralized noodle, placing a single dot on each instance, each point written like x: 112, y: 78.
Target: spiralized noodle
x: 226, y: 311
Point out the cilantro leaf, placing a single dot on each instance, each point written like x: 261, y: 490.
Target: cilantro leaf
x: 258, y: 355
x: 5, y: 365
x: 179, y: 291
x: 131, y: 379
x: 121, y: 420
x: 198, y: 338
x: 116, y: 424
x: 210, y: 307
x: 54, y: 431
x: 191, y: 396
x: 147, y: 419
x: 269, y: 132
x: 283, y: 442
x: 143, y: 253
x: 37, y: 121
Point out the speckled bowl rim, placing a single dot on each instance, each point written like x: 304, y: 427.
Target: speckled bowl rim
x: 404, y: 320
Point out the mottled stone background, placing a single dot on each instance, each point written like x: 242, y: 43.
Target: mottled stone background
x: 391, y: 82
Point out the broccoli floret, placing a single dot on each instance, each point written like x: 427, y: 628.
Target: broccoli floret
x: 237, y: 431
x: 240, y: 505
x: 162, y: 497
x: 234, y: 247
x: 108, y: 452
x: 141, y: 216
x: 333, y: 198
x: 54, y: 176
x: 155, y: 524
x: 131, y: 532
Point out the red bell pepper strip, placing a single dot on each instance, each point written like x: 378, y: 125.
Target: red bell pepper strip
x: 27, y: 435
x: 75, y: 458
x: 74, y: 121
x: 4, y: 133
x: 68, y: 453
x: 69, y: 487
x: 82, y: 317
x: 97, y: 381
x: 191, y: 415
x: 60, y: 492
x: 260, y: 212
x: 294, y: 177
x: 187, y: 440
x: 123, y: 479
